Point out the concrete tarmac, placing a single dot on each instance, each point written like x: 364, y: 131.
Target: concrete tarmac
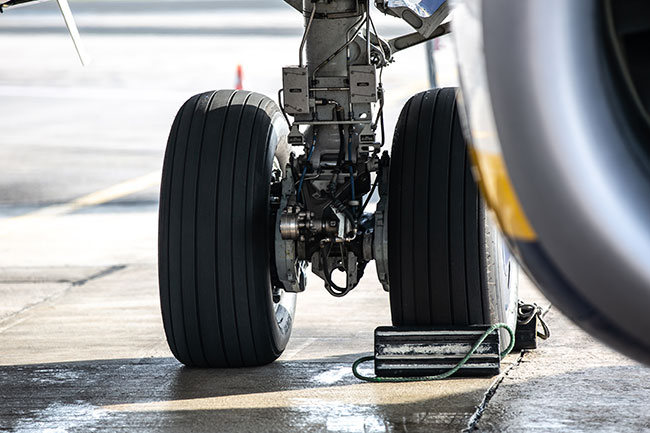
x: 81, y: 341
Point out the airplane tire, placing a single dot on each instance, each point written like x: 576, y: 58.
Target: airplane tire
x: 216, y: 295
x: 448, y: 264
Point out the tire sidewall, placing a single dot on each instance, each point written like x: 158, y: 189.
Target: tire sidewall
x: 281, y: 316
x: 501, y: 277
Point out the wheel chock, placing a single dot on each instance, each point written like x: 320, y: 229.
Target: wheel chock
x: 416, y: 352
x: 530, y: 318
x: 526, y: 334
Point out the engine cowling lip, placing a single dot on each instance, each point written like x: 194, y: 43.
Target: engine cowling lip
x: 529, y: 68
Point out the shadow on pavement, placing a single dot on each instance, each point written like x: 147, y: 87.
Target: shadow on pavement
x: 158, y: 394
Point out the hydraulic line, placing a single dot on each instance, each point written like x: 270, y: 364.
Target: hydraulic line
x: 372, y: 191
x: 338, y: 205
x: 304, y: 36
x: 353, y: 193
x: 356, y: 26
x: 281, y: 104
x: 380, y: 113
x: 341, y: 156
x: 331, y: 287
x: 304, y: 169
x: 368, y: 31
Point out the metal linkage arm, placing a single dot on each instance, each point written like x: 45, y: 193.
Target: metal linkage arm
x: 424, y: 16
x: 403, y: 42
x: 296, y: 4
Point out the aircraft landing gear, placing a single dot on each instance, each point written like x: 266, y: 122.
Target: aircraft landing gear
x: 241, y: 215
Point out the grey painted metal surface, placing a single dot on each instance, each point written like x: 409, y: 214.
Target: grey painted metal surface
x: 564, y: 118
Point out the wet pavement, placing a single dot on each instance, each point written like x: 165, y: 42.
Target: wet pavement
x: 94, y: 358
x: 81, y: 338
x: 87, y: 353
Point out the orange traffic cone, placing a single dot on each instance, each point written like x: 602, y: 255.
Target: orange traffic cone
x: 239, y: 83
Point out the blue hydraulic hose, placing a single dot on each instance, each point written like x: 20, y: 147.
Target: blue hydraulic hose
x: 354, y: 208
x: 304, y: 170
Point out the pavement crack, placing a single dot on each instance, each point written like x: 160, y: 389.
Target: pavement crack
x: 78, y: 283
x: 100, y: 274
x: 478, y: 413
x: 36, y: 281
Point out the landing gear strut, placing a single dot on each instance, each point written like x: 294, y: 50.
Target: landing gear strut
x: 253, y: 192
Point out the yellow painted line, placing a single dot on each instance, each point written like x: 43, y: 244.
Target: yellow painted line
x: 394, y: 96
x: 118, y: 191
x: 356, y: 394
x: 102, y: 196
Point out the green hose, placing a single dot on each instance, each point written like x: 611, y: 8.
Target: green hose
x: 440, y: 376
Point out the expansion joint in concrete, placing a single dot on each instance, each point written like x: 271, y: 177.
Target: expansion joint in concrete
x: 103, y: 273
x: 472, y: 424
x: 5, y: 322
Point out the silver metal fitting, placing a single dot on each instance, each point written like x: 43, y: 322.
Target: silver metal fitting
x: 291, y: 221
x: 295, y: 222
x: 295, y: 138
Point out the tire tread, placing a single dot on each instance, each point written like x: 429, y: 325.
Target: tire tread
x: 213, y: 196
x: 434, y: 258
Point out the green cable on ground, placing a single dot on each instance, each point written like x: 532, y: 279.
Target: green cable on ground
x: 440, y: 376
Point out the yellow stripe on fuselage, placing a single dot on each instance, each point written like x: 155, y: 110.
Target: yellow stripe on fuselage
x: 500, y: 195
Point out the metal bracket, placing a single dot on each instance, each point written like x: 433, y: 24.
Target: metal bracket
x: 407, y: 41
x: 363, y: 84
x: 424, y: 17
x: 295, y: 82
x: 296, y: 4
x: 295, y: 138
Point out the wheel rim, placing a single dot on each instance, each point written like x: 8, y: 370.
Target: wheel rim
x: 283, y: 303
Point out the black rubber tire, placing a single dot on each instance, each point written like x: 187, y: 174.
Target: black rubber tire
x: 445, y: 260
x: 214, y: 259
